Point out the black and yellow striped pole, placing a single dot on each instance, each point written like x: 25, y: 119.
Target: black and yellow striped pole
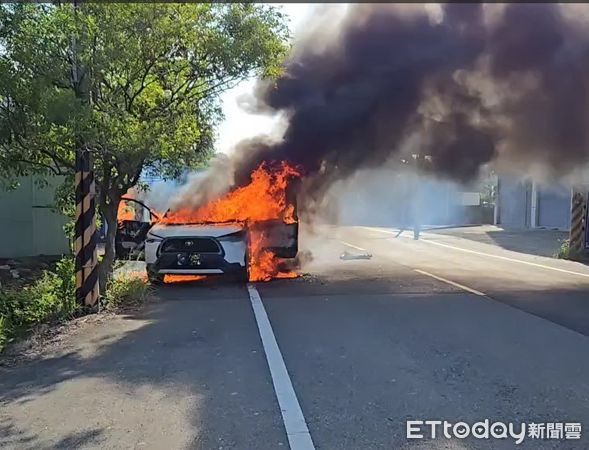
x: 578, y: 222
x: 86, y: 261
x: 85, y: 233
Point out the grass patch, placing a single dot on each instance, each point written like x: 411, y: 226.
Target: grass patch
x: 126, y: 291
x: 50, y: 298
x: 564, y: 251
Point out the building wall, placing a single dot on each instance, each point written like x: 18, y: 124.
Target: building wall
x: 28, y: 226
x: 524, y: 204
x: 513, y: 203
x: 554, y: 207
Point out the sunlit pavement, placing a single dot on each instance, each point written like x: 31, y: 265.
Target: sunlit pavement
x: 444, y: 328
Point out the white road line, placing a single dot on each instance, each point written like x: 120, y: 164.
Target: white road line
x: 292, y: 415
x: 505, y: 258
x: 354, y: 246
x: 452, y: 283
x: 378, y: 229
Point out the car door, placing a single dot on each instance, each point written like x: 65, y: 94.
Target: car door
x: 131, y: 233
x: 280, y: 238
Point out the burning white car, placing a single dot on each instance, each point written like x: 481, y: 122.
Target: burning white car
x: 196, y: 249
x: 222, y: 249
x: 251, y: 232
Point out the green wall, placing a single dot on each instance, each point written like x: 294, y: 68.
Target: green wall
x: 28, y: 226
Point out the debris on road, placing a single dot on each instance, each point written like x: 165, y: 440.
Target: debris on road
x: 346, y: 255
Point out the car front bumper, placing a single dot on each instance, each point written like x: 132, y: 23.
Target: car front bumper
x: 204, y: 264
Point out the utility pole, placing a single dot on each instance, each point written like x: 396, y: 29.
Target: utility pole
x: 579, y: 234
x: 86, y: 261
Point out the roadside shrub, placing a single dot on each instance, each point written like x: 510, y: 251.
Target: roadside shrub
x: 3, y: 332
x: 50, y: 298
x: 564, y: 250
x: 65, y: 273
x: 126, y: 290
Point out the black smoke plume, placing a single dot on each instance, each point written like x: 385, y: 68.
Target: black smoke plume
x: 467, y: 84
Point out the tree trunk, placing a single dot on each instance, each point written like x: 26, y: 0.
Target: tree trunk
x: 109, y: 212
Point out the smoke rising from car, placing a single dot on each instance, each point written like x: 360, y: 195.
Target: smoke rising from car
x: 465, y: 83
x: 390, y: 196
x: 468, y: 84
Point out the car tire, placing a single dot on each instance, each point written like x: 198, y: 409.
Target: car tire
x: 243, y: 276
x: 155, y: 278
x: 120, y: 251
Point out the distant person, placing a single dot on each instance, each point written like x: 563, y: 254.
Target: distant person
x: 416, y: 210
x: 416, y: 228
x: 410, y: 214
x: 404, y: 215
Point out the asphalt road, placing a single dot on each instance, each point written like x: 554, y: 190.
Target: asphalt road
x: 445, y: 328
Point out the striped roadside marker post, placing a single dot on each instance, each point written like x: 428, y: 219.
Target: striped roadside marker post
x: 578, y: 222
x: 586, y: 225
x: 85, y: 233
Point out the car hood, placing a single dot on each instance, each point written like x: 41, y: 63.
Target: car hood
x: 194, y: 230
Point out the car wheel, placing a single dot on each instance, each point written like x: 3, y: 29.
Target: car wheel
x: 243, y: 276
x: 121, y: 252
x: 155, y: 278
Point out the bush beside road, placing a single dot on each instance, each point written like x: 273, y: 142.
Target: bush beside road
x: 49, y: 299
x: 126, y: 290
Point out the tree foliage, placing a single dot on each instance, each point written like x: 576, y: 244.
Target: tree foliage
x: 134, y: 84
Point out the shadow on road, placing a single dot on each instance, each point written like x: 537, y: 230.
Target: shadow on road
x: 188, y: 371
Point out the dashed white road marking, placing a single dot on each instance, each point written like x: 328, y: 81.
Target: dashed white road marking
x: 490, y: 255
x: 292, y: 415
x: 452, y: 283
x: 423, y: 272
x: 354, y: 246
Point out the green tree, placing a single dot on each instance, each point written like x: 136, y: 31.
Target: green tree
x: 136, y: 85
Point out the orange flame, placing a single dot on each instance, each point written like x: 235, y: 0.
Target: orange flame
x: 126, y: 211
x: 264, y: 198
x: 263, y: 265
x: 170, y: 278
